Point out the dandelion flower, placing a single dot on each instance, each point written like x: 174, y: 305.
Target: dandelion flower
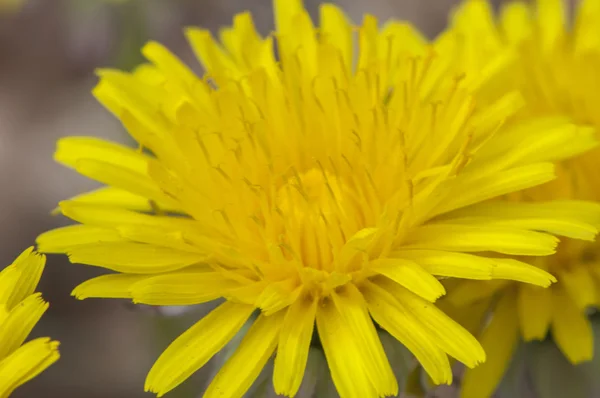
x: 318, y: 188
x: 534, y: 49
x: 20, y: 310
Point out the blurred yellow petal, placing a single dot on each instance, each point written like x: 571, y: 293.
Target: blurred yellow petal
x: 571, y: 329
x: 535, y: 312
x: 499, y: 340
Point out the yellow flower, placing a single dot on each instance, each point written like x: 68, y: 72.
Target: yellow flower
x: 533, y: 49
x: 329, y: 187
x: 20, y: 310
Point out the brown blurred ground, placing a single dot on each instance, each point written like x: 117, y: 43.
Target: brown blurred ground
x: 49, y: 51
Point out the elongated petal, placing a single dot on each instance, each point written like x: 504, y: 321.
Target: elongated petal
x: 410, y: 275
x: 294, y: 342
x: 571, y: 329
x: 30, y: 266
x: 244, y: 366
x: 190, y: 351
x: 392, y: 316
x: 450, y: 264
x: 470, y: 292
x: 457, y: 237
x: 182, y: 288
x: 352, y: 306
x: 25, y: 363
x: 108, y: 286
x: 578, y: 283
x: 70, y: 150
x: 535, y: 312
x: 473, y: 188
x: 115, y: 197
x: 499, y: 339
x: 60, y: 240
x: 19, y: 323
x: 573, y: 219
x: 343, y: 357
x: 449, y: 335
x: 135, y: 258
x: 336, y: 29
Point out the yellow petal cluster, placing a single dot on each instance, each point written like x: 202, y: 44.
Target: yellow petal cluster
x: 20, y: 310
x: 553, y: 61
x: 328, y: 187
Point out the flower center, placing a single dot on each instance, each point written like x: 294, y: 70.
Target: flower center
x: 315, y: 209
x: 313, y: 193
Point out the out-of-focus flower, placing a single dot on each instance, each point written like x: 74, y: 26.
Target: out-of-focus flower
x: 554, y: 64
x: 329, y: 186
x: 20, y: 310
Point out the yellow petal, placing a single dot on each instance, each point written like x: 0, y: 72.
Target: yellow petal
x: 135, y: 258
x: 336, y: 29
x: 551, y: 19
x: 9, y: 276
x: 168, y: 64
x: 499, y: 339
x: 294, y: 341
x: 468, y: 266
x: 410, y: 275
x: 343, y: 358
x: 476, y: 187
x: 351, y: 305
x: 470, y: 292
x: 108, y: 286
x: 571, y: 329
x: 19, y: 322
x: 111, y: 196
x: 392, y: 316
x: 60, y: 240
x: 515, y: 20
x: 190, y: 351
x: 507, y: 268
x: 30, y: 266
x: 25, y: 363
x: 285, y: 12
x: 586, y: 26
x: 212, y: 56
x: 70, y: 150
x: 535, y: 311
x: 574, y: 219
x: 579, y: 285
x: 448, y: 335
x: 471, y: 238
x: 449, y: 264
x: 181, y: 288
x: 123, y: 178
x: 112, y: 217
x: 244, y: 366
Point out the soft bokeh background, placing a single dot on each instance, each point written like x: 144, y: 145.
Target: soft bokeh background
x: 49, y: 50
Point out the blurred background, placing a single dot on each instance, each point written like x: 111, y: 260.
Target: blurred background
x: 49, y: 50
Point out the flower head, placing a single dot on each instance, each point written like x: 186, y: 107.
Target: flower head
x: 20, y: 310
x: 328, y: 186
x: 553, y: 63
